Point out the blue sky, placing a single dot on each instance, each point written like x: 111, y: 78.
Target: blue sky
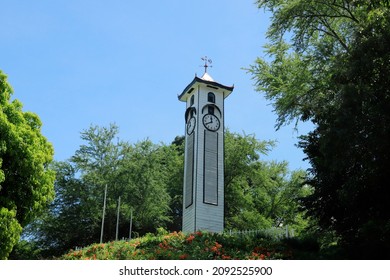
x: 77, y: 63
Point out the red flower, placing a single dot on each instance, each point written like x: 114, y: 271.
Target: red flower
x: 216, y: 248
x: 257, y: 256
x: 190, y: 238
x: 183, y: 257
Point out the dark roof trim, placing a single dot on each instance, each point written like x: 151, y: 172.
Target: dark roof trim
x: 210, y: 83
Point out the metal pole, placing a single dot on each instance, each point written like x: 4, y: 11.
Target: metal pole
x: 117, y: 218
x: 104, y: 212
x: 131, y: 223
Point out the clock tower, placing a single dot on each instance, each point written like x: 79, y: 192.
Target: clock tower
x: 203, y: 187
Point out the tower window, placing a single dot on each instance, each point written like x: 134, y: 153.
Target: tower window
x: 211, y: 97
x: 211, y: 110
x: 192, y: 100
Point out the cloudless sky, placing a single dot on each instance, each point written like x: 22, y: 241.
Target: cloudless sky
x: 82, y: 62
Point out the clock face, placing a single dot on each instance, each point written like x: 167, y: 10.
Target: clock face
x: 211, y: 122
x: 191, y: 125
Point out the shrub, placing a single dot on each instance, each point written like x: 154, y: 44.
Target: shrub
x: 180, y: 246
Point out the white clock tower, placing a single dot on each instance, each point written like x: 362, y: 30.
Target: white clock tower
x: 203, y: 188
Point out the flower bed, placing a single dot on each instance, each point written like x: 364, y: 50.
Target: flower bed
x: 179, y: 246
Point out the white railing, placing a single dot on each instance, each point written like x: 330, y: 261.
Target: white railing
x: 274, y: 232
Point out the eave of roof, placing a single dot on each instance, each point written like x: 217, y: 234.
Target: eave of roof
x: 207, y: 82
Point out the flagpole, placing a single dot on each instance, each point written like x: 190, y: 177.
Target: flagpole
x: 104, y: 212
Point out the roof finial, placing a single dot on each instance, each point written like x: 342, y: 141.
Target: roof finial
x: 207, y: 63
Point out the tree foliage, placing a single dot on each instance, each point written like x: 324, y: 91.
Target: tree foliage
x: 137, y: 173
x: 149, y: 179
x: 329, y: 64
x: 259, y: 193
x: 26, y: 182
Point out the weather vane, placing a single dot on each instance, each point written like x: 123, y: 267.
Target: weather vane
x: 207, y: 62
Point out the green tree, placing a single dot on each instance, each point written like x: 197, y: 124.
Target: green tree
x: 138, y: 173
x: 26, y: 182
x: 98, y: 164
x: 147, y: 170
x: 258, y: 193
x: 73, y: 218
x: 278, y: 193
x: 174, y: 182
x: 241, y: 153
x: 329, y: 64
